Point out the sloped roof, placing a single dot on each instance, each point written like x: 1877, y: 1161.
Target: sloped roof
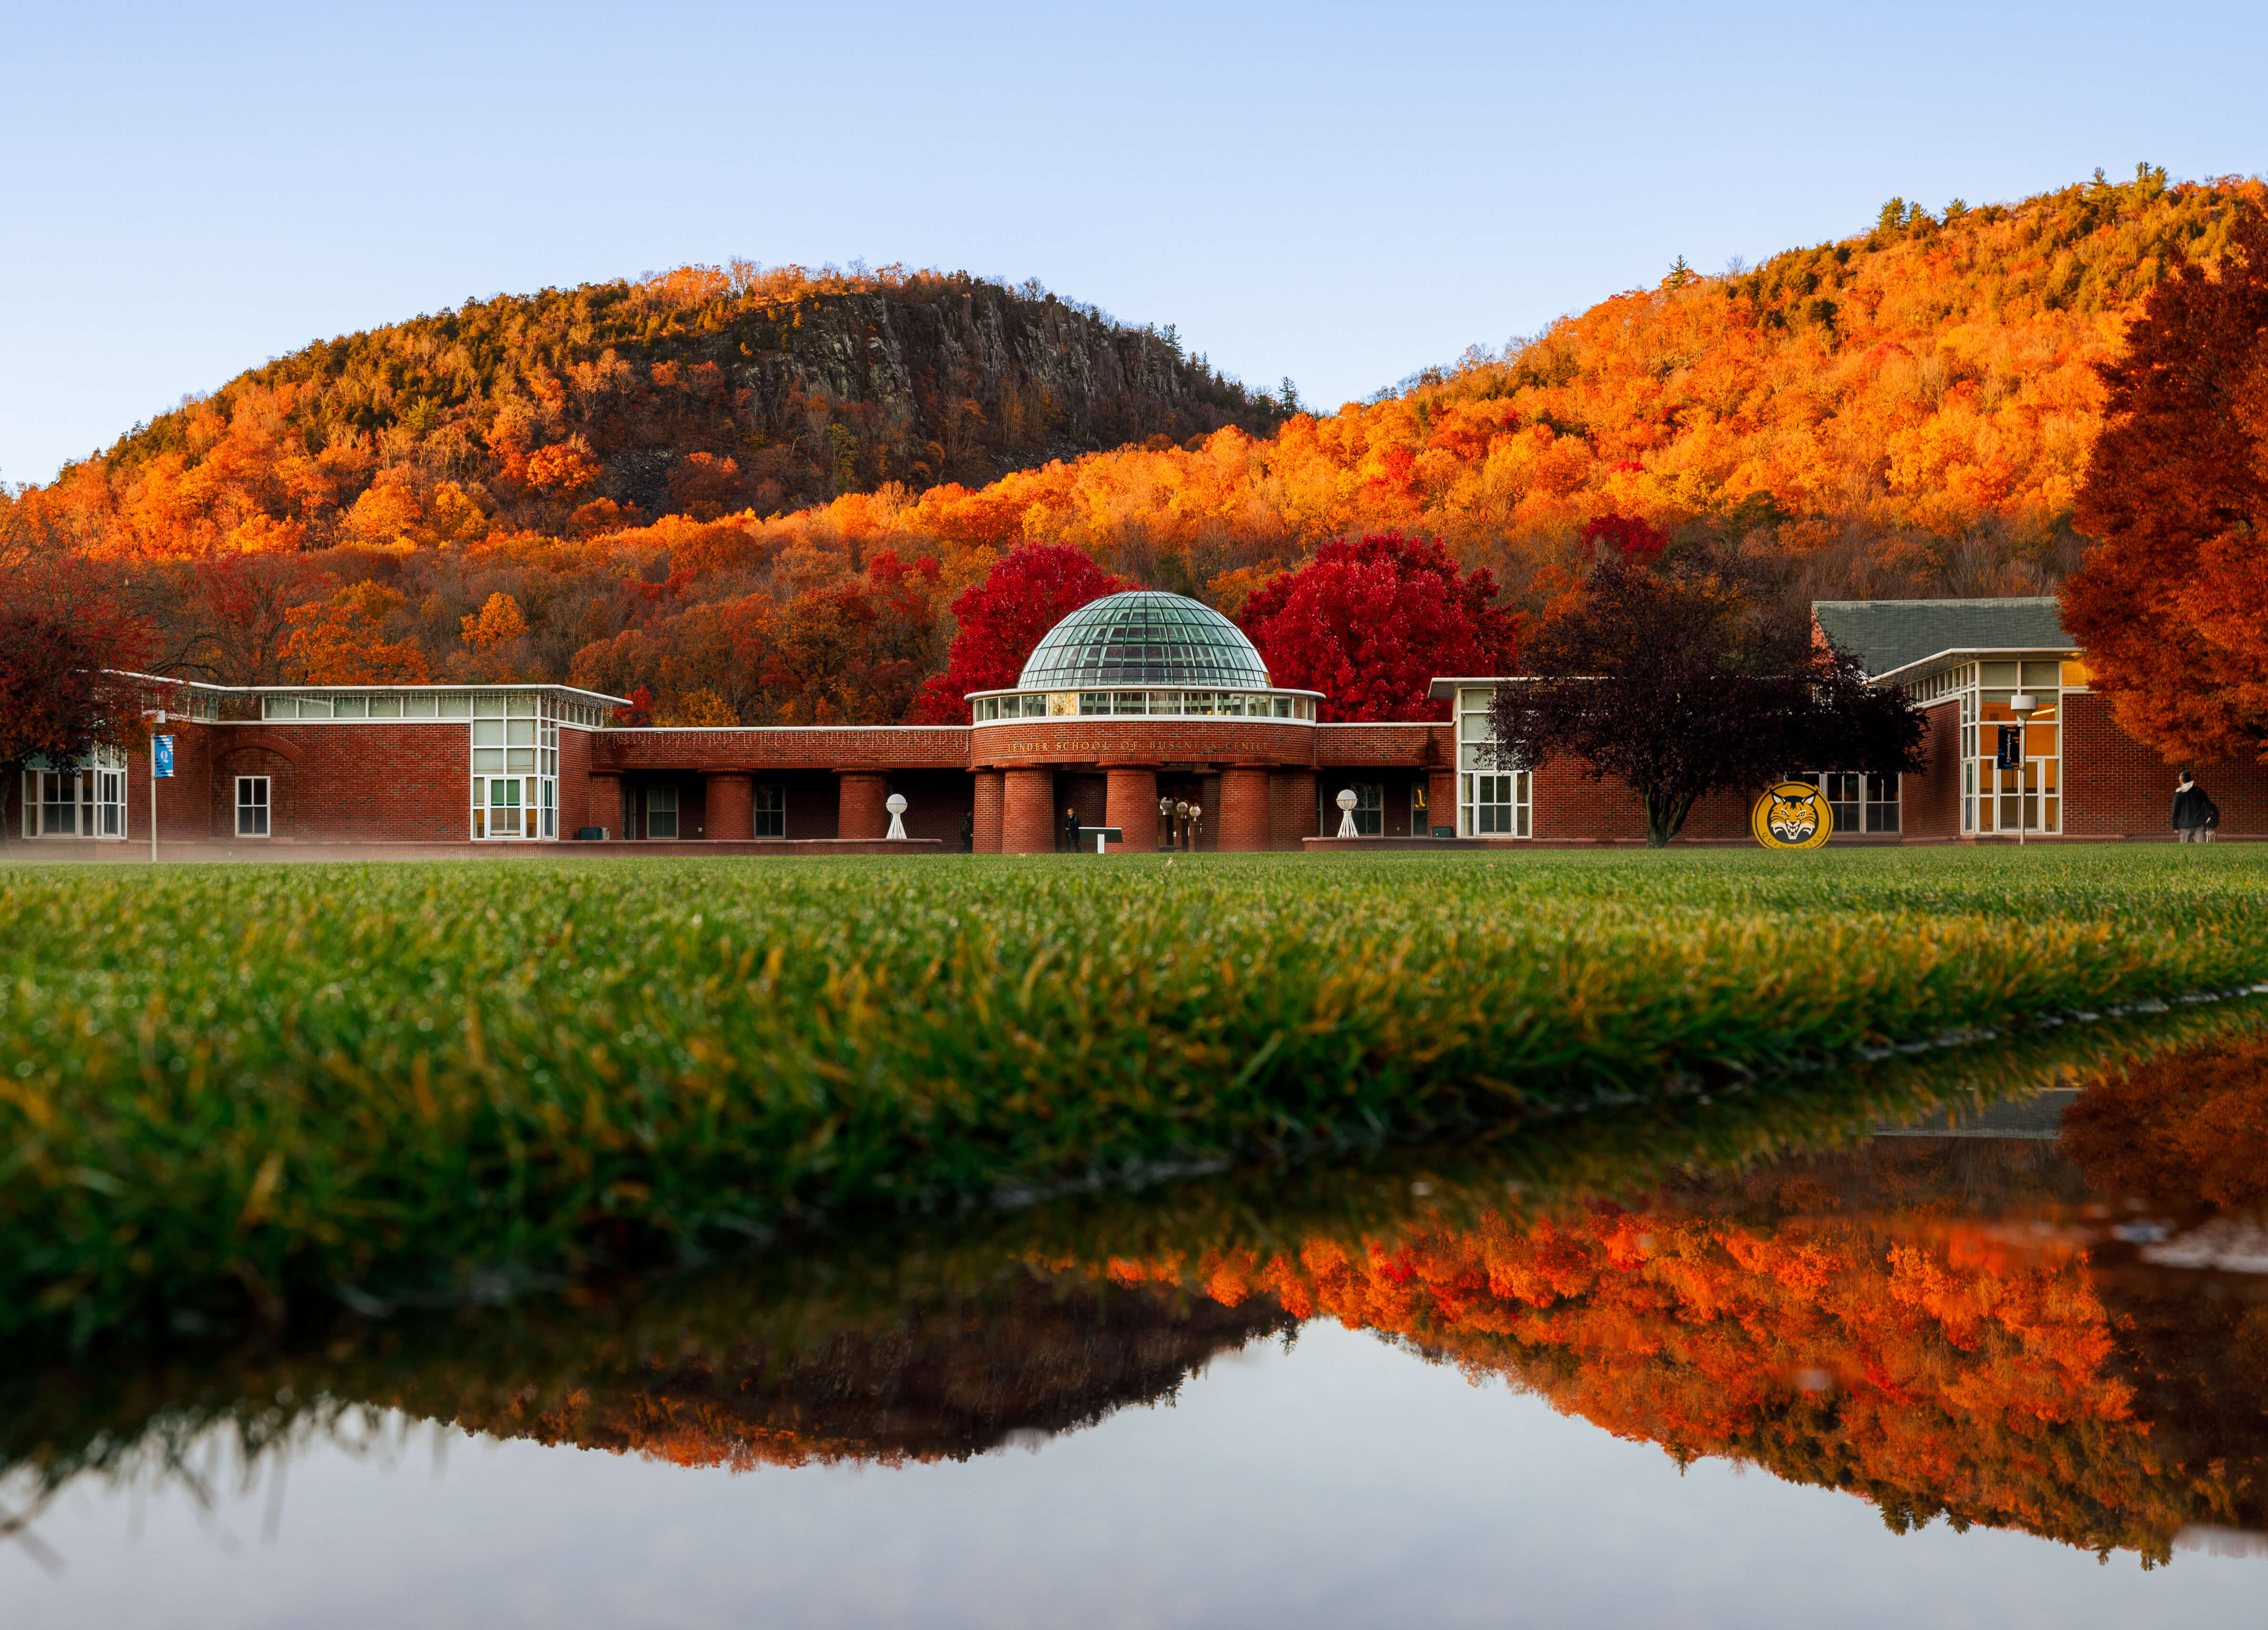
x: 1889, y: 634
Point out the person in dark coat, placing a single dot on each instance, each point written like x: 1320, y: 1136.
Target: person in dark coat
x: 969, y: 832
x: 1071, y: 830
x: 2195, y: 815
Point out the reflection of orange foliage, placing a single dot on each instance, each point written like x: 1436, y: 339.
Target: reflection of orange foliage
x: 1933, y: 1373
x: 2191, y: 1125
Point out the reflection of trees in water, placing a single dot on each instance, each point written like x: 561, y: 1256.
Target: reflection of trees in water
x: 970, y: 1368
x: 1944, y: 1327
x: 1922, y: 1323
x: 1035, y: 1356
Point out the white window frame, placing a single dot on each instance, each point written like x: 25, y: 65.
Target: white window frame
x: 514, y: 743
x: 263, y: 806
x: 95, y: 783
x: 1478, y: 782
x: 1870, y: 809
x: 674, y: 810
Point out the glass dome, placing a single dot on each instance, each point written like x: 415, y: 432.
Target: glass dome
x: 1144, y: 636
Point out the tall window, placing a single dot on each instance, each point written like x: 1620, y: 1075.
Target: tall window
x: 109, y: 803
x: 516, y: 764
x: 661, y: 811
x: 771, y: 811
x: 1490, y: 802
x: 1369, y: 808
x: 252, y: 806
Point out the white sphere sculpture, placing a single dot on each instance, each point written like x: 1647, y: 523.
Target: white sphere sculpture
x: 896, y: 805
x: 1347, y: 801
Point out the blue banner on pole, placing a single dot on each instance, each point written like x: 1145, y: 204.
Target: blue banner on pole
x: 161, y: 757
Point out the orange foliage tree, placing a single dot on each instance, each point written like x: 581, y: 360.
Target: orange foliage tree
x: 2173, y: 606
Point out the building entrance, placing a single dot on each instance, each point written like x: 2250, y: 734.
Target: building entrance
x: 1188, y: 812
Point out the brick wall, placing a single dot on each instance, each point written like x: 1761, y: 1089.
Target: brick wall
x: 729, y: 805
x: 1411, y: 746
x: 1291, y: 807
x: 1132, y: 805
x: 575, y: 787
x: 778, y: 747
x: 408, y: 782
x: 1028, y: 815
x: 859, y: 795
x: 1246, y: 822
x: 1929, y: 804
x: 1096, y: 740
x: 1570, y: 808
x: 2114, y: 785
x: 990, y: 793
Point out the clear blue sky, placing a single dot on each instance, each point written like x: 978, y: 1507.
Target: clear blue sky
x: 1340, y: 193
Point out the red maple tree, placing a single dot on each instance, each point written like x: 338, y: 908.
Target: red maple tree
x: 1027, y: 592
x: 2171, y: 608
x: 1371, y: 622
x: 63, y: 639
x: 1640, y: 539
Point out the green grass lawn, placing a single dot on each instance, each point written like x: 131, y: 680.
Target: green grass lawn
x: 245, y: 1084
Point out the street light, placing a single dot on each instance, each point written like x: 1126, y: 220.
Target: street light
x: 2023, y: 704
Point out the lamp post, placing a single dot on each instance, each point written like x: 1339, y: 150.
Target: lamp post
x: 1346, y: 801
x: 157, y: 752
x: 2023, y: 704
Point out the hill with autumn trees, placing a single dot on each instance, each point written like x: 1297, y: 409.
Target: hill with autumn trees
x: 603, y: 483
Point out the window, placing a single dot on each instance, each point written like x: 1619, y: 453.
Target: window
x: 1492, y: 801
x: 1496, y: 805
x: 771, y: 811
x: 496, y: 804
x: 1860, y: 803
x: 110, y: 803
x: 252, y: 806
x: 1369, y: 809
x: 1417, y: 814
x: 78, y: 801
x: 661, y: 811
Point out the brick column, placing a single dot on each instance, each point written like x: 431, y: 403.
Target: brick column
x: 604, y: 807
x: 858, y: 811
x: 990, y: 790
x: 1242, y: 820
x: 729, y: 808
x: 1130, y: 804
x: 1440, y: 800
x: 1292, y: 806
x: 1028, y: 813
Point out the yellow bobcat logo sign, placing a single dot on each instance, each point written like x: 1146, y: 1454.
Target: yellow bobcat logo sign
x: 1794, y: 815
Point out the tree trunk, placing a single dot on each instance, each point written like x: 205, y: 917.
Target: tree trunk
x: 1665, y: 818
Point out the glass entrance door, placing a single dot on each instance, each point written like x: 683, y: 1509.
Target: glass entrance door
x: 499, y: 804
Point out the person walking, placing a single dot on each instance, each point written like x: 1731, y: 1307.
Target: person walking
x: 1071, y: 830
x: 969, y: 832
x: 2196, y: 815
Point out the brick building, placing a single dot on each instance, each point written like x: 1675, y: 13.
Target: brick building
x: 1137, y: 701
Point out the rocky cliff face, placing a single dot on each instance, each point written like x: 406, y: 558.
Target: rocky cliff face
x: 701, y: 391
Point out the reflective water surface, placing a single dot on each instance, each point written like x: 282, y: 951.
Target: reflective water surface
x: 2005, y: 1365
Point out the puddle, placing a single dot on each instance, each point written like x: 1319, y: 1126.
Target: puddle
x: 2005, y: 1360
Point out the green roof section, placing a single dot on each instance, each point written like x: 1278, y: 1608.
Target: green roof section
x: 1144, y: 636
x: 1889, y: 634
